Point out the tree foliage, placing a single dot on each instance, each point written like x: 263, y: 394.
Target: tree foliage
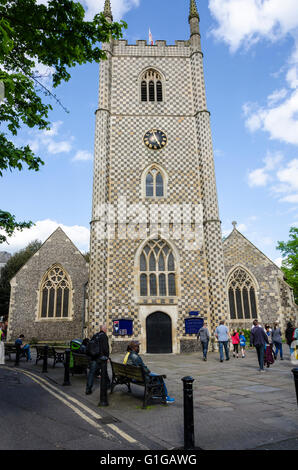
x: 55, y: 35
x: 13, y: 265
x: 289, y: 251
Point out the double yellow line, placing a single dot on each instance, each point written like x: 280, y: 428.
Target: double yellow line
x: 77, y: 406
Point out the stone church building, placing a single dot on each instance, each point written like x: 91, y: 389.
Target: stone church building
x: 158, y: 265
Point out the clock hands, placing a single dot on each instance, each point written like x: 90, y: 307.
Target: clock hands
x: 156, y: 138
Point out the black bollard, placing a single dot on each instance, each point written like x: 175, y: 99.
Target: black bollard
x: 45, y: 359
x: 18, y: 354
x: 189, y: 438
x: 66, y: 367
x: 295, y: 373
x: 104, y: 384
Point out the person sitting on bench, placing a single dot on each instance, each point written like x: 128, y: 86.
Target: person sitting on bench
x: 22, y: 348
x: 135, y: 360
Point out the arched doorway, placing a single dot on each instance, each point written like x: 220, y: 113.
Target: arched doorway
x: 159, y: 333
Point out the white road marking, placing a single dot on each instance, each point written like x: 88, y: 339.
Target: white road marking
x: 49, y: 386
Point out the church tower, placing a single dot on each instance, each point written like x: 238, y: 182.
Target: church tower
x: 156, y: 256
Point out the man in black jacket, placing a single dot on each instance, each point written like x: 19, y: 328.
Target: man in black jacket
x: 258, y: 339
x: 97, y: 360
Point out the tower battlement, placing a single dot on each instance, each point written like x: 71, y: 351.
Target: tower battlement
x: 160, y: 48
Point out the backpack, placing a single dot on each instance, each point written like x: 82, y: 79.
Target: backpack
x: 93, y: 347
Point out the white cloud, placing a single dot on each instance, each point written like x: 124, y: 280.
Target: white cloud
x: 119, y: 7
x: 83, y: 155
x: 45, y: 140
x: 58, y: 147
x: 289, y: 175
x: 280, y: 121
x: 261, y: 176
x: 278, y: 261
x: 276, y: 96
x: 79, y: 235
x: 92, y: 7
x: 284, y: 178
x: 245, y: 22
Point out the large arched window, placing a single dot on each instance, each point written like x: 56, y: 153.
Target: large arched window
x: 157, y: 268
x: 151, y: 86
x: 55, y: 294
x: 242, y: 296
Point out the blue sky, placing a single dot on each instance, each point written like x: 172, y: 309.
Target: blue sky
x: 251, y: 72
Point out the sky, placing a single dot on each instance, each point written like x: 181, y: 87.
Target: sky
x: 251, y: 72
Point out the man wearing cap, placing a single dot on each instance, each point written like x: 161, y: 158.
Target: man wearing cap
x: 135, y: 360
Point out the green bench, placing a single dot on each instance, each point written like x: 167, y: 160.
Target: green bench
x: 127, y: 375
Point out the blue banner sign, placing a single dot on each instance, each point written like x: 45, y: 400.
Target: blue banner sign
x: 194, y: 313
x: 193, y: 325
x: 122, y: 327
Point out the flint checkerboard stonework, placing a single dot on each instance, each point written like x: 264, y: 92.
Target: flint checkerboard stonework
x: 122, y: 120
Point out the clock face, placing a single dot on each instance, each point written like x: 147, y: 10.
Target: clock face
x: 155, y: 139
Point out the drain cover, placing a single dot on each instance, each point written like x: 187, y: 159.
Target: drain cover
x: 108, y: 420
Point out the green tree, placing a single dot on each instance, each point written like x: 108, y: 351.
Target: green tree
x: 13, y: 265
x: 289, y: 251
x: 55, y: 35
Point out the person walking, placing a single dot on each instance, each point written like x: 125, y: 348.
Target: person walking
x: 222, y: 335
x: 289, y: 333
x: 268, y: 356
x: 204, y: 337
x: 277, y: 341
x: 99, y: 351
x: 242, y: 343
x: 235, y: 342
x: 258, y: 339
x: 2, y: 347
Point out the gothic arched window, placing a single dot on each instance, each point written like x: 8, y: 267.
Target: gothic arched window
x: 158, y: 276
x: 55, y: 294
x: 151, y: 86
x: 155, y: 182
x: 242, y: 296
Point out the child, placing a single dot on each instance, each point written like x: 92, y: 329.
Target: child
x: 236, y: 342
x: 242, y: 343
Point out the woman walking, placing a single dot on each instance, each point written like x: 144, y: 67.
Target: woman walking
x: 235, y: 342
x: 268, y: 357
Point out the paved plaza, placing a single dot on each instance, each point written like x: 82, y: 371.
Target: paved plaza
x: 235, y: 405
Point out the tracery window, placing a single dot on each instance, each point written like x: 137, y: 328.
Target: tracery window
x: 151, y: 86
x: 55, y: 294
x: 157, y: 270
x: 242, y: 296
x: 155, y: 183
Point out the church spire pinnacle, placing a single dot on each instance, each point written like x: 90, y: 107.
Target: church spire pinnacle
x: 108, y: 10
x: 193, y: 11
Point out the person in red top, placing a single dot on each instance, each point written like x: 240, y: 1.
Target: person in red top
x: 235, y: 341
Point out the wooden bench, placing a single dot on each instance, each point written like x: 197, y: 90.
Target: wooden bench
x: 10, y: 348
x: 52, y: 354
x: 127, y: 375
x: 80, y: 363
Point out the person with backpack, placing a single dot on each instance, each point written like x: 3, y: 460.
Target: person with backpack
x: 99, y: 351
x: 277, y: 341
x: 242, y: 343
x: 204, y: 336
x: 289, y: 334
